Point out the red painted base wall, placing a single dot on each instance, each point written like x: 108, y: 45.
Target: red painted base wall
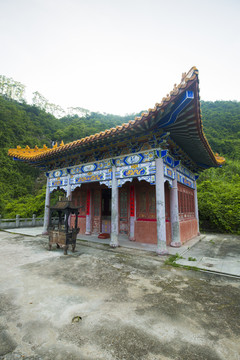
x: 188, y: 230
x: 168, y: 233
x: 146, y: 232
x: 81, y: 224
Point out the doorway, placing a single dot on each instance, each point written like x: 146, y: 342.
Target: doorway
x: 106, y: 211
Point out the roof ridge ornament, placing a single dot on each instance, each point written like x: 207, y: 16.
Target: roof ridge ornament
x: 221, y: 160
x: 183, y: 76
x: 27, y: 152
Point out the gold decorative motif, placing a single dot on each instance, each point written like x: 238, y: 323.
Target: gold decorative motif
x: 27, y: 153
x: 220, y: 159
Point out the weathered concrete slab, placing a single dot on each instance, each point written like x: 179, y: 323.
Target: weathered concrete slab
x: 128, y: 304
x: 217, y: 252
x: 213, y: 252
x: 30, y: 231
x: 123, y: 240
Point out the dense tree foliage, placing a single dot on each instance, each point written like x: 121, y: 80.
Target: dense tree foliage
x: 219, y: 188
x: 11, y: 89
x: 75, y: 127
x: 219, y: 198
x: 23, y: 124
x: 221, y: 122
x: 22, y: 188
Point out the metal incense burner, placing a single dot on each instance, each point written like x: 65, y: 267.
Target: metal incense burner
x: 63, y: 234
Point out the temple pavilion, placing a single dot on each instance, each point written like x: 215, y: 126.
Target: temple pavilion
x: 138, y: 179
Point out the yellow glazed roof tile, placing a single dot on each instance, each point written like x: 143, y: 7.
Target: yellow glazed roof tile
x: 39, y: 153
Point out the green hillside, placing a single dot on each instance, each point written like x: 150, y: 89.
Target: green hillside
x: 221, y: 122
x: 22, y: 188
x: 21, y: 124
x: 219, y: 188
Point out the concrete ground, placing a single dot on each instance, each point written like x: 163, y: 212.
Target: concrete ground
x: 123, y: 240
x: 114, y: 304
x: 216, y: 253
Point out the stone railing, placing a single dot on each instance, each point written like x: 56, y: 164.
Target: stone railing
x: 19, y: 222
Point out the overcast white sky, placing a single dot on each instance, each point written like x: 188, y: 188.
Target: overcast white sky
x: 120, y: 56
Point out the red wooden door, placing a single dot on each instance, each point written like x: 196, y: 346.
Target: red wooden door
x: 123, y: 210
x: 96, y: 211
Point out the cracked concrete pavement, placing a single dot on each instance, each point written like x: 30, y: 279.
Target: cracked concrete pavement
x: 218, y: 253
x: 128, y: 303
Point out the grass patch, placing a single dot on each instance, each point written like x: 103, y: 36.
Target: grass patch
x: 194, y: 268
x: 192, y: 259
x: 172, y: 260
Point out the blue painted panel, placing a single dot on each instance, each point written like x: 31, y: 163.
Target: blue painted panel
x: 134, y: 172
x: 169, y: 161
x: 172, y: 116
x: 89, y: 178
x: 185, y: 181
x: 57, y: 173
x: 163, y: 153
x: 133, y: 159
x: 88, y: 168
